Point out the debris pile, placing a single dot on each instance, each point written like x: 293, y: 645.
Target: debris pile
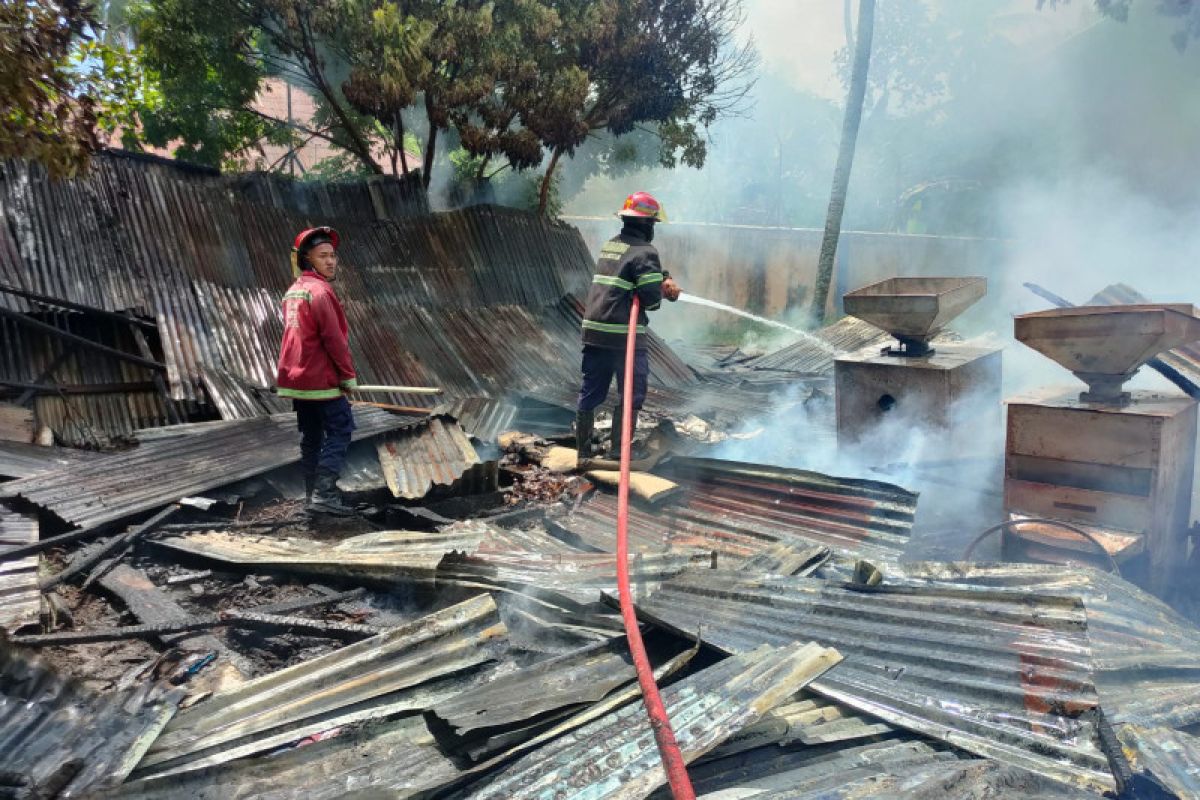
x: 481, y: 655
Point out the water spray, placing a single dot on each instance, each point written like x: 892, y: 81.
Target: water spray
x: 808, y: 337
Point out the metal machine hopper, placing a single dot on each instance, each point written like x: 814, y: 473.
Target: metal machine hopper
x: 1119, y: 464
x: 952, y: 387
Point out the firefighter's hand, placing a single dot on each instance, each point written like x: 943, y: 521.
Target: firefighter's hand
x: 670, y: 289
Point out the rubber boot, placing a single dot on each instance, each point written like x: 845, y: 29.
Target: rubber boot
x: 636, y: 451
x: 310, y: 483
x: 326, y: 499
x: 585, y: 423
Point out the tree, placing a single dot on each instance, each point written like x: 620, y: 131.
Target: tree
x: 841, y: 172
x: 1186, y: 11
x: 671, y: 67
x: 59, y: 86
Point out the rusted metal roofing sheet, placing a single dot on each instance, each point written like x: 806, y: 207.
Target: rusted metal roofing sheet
x: 815, y: 356
x: 1027, y: 698
x: 1146, y: 656
x: 739, y: 510
x: 19, y: 460
x: 382, y: 555
x: 267, y: 711
x: 1171, y: 758
x: 62, y: 740
x: 207, y: 258
x: 615, y: 756
x: 20, y: 599
x: 153, y: 475
x: 423, y: 456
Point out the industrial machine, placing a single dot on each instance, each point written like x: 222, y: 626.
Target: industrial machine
x: 1117, y: 464
x: 949, y: 387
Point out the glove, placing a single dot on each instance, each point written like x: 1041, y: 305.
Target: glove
x: 670, y: 289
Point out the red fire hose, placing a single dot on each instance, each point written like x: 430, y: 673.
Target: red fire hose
x: 664, y: 737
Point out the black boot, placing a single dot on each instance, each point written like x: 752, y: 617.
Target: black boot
x: 326, y: 499
x: 585, y: 423
x: 636, y: 451
x: 310, y: 483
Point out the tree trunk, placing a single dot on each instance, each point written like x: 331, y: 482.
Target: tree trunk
x: 399, y: 136
x: 430, y: 143
x: 544, y: 193
x: 841, y: 173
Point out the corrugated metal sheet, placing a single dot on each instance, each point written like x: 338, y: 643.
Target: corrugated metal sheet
x: 1145, y: 654
x: 615, y: 756
x: 396, y: 758
x: 66, y: 741
x: 382, y: 555
x: 481, y: 417
x: 153, y: 475
x: 1025, y: 699
x: 739, y: 510
x: 1171, y: 758
x: 292, y: 703
x: 85, y: 420
x: 207, y: 258
x: 19, y: 460
x: 582, y: 577
x: 20, y: 599
x: 517, y: 698
x: 423, y: 456
x: 806, y: 720
x: 905, y: 770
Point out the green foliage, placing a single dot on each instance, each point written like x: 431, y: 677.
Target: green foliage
x: 204, y: 61
x: 512, y: 80
x: 58, y: 86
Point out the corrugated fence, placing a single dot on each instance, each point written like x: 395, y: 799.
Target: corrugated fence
x: 470, y: 300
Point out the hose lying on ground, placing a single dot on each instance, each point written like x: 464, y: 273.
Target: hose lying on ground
x: 664, y: 737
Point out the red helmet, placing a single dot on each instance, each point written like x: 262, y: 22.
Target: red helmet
x: 642, y: 204
x: 303, y: 236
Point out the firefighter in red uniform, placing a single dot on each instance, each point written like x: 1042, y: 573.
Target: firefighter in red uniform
x: 628, y: 264
x: 316, y: 369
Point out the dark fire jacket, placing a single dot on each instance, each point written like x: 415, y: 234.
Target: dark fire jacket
x: 627, y: 264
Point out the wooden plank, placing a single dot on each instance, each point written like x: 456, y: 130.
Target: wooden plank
x: 16, y: 423
x: 153, y: 606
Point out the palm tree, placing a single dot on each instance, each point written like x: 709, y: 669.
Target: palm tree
x: 841, y: 173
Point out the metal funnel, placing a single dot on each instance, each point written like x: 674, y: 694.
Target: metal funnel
x: 1105, y: 345
x: 914, y: 310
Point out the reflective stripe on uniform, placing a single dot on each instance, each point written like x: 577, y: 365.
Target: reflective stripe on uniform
x: 309, y: 394
x: 612, y: 280
x: 298, y: 294
x: 610, y: 327
x: 613, y: 250
x: 649, y: 278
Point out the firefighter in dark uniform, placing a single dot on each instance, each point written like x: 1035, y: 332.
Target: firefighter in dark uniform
x: 628, y: 263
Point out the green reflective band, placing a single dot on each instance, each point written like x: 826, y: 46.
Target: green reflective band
x: 349, y: 384
x: 309, y: 394
x: 612, y: 280
x: 613, y: 250
x: 649, y: 278
x: 299, y: 294
x: 610, y: 327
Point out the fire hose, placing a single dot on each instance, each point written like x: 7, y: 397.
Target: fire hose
x: 660, y: 723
